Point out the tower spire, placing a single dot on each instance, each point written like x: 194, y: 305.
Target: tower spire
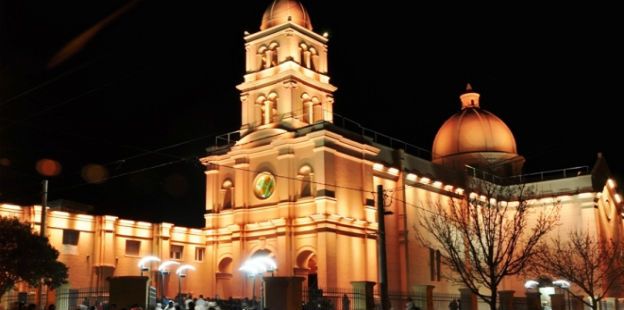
x: 286, y: 83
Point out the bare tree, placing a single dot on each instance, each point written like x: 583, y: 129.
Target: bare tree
x: 487, y: 237
x: 595, y: 266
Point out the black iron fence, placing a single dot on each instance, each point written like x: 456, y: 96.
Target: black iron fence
x: 346, y: 299
x: 82, y: 299
x: 13, y: 300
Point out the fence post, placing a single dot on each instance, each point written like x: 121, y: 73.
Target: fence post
x: 557, y: 302
x: 506, y: 300
x: 533, y: 301
x: 468, y: 299
x: 424, y: 296
x: 283, y: 292
x: 363, y: 295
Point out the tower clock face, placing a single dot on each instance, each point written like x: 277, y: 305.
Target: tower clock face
x: 264, y: 185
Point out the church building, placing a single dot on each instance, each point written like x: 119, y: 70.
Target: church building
x: 296, y: 185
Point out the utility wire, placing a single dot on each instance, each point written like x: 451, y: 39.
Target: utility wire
x: 46, y: 83
x: 89, y: 92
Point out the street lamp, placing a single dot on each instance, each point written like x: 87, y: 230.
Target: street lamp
x: 181, y: 274
x: 257, y: 266
x: 143, y: 263
x: 163, y: 272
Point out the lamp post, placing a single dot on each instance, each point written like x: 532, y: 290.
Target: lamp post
x: 144, y: 263
x: 162, y: 269
x: 181, y: 274
x: 257, y: 266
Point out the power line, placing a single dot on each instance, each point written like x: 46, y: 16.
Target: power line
x: 46, y: 83
x: 161, y: 165
x: 296, y: 179
x: 89, y: 92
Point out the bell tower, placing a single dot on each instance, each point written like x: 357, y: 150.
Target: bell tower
x: 286, y: 83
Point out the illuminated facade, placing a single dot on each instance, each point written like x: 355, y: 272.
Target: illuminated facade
x: 301, y: 189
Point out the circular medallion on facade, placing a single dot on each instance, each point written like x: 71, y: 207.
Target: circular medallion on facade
x: 264, y: 184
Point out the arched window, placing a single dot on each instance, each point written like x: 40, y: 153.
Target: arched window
x: 268, y: 55
x: 311, y: 108
x: 313, y: 58
x: 435, y: 259
x: 273, y: 53
x: 260, y: 56
x: 305, y: 175
x: 266, y: 108
x: 227, y: 190
x: 309, y: 56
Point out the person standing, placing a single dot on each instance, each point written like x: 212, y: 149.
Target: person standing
x: 410, y: 304
x: 346, y: 303
x: 453, y: 305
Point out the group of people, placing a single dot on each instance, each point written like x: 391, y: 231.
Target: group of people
x: 190, y: 303
x: 455, y: 304
x: 201, y: 303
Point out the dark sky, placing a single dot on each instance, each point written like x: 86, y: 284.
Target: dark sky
x: 164, y: 73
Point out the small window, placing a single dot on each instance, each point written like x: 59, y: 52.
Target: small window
x: 70, y: 236
x: 435, y: 259
x: 176, y: 252
x: 199, y: 254
x: 133, y: 247
x: 438, y: 265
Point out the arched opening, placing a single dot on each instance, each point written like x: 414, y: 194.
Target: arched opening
x: 261, y: 59
x: 317, y: 110
x: 253, y: 286
x: 307, y: 267
x: 258, y: 111
x: 262, y: 252
x: 227, y: 190
x: 314, y: 58
x: 272, y: 54
x: 303, y: 49
x: 305, y: 175
x: 224, y: 277
x: 225, y: 265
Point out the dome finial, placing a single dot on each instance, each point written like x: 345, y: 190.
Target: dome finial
x: 470, y: 98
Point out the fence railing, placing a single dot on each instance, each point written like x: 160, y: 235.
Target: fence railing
x: 20, y: 300
x: 228, y: 139
x: 84, y: 298
x: 529, y: 177
x: 344, y: 299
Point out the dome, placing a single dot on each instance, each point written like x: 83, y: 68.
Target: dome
x: 473, y: 130
x: 282, y: 11
x: 475, y: 137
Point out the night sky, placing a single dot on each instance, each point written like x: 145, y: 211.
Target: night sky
x: 162, y: 74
